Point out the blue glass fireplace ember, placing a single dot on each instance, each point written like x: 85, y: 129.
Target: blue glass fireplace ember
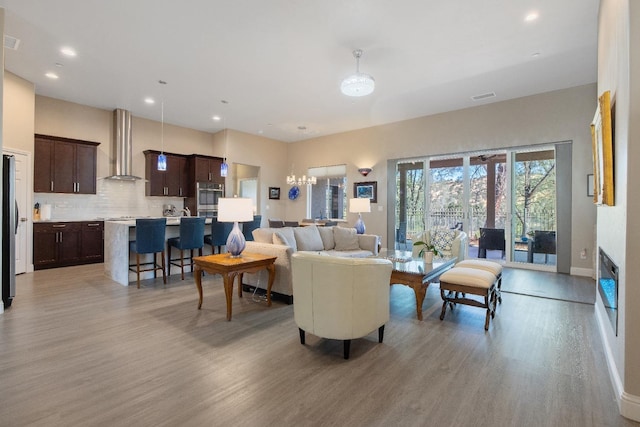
x: 608, y: 288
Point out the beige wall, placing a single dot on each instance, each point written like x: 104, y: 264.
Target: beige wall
x: 61, y: 118
x: 632, y: 289
x: 270, y: 155
x: 557, y: 116
x: 19, y: 107
x: 618, y: 71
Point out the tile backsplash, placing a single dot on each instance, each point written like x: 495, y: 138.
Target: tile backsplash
x: 112, y: 199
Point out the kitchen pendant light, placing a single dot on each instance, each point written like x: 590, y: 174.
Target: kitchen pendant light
x: 162, y: 159
x: 358, y: 84
x: 224, y: 167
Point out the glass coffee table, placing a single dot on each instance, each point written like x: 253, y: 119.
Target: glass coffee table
x: 413, y: 272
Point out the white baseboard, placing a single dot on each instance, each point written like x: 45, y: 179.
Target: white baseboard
x: 586, y: 272
x: 628, y: 404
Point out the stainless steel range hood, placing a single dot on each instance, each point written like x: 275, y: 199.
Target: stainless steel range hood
x: 122, y: 147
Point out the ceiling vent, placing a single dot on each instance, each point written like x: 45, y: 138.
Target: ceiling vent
x: 483, y: 96
x: 11, y: 42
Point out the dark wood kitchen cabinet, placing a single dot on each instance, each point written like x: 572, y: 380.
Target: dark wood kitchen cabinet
x: 64, y: 165
x: 173, y: 182
x: 92, y: 242
x: 60, y: 244
x: 205, y: 169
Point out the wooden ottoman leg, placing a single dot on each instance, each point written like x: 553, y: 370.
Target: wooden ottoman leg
x: 444, y: 302
x: 487, y: 302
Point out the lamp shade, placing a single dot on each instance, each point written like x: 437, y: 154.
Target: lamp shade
x: 235, y: 209
x: 358, y: 205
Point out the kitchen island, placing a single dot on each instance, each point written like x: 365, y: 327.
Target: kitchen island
x: 117, y: 235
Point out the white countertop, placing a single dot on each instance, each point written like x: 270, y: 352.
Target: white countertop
x: 171, y: 220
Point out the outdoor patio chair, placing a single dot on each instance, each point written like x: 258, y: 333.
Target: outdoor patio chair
x: 544, y: 242
x: 491, y: 239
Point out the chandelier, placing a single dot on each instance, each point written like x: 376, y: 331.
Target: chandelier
x: 305, y: 180
x: 358, y: 84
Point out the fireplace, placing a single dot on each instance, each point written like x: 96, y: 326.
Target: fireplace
x: 608, y: 288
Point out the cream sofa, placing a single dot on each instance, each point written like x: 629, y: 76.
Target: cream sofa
x: 451, y: 243
x: 340, y: 298
x: 283, y: 242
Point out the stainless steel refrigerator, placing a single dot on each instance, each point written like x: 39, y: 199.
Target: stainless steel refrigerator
x: 9, y: 229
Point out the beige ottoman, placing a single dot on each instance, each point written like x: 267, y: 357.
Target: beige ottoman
x: 456, y: 283
x: 490, y: 266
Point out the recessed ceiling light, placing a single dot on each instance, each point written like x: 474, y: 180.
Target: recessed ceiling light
x: 535, y: 54
x: 67, y: 51
x: 52, y: 76
x: 216, y: 118
x: 149, y: 101
x: 531, y: 16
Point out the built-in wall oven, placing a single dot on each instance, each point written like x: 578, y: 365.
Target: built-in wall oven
x: 207, y: 195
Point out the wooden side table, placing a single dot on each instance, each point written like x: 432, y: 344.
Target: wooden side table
x: 229, y: 268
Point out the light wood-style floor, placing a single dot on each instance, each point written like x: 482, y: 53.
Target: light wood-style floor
x: 77, y: 349
x: 550, y: 285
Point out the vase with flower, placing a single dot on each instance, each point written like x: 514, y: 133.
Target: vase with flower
x: 427, y: 251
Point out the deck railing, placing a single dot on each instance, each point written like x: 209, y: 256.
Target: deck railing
x: 453, y: 218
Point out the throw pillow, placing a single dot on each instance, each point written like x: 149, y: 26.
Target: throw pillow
x: 346, y: 239
x: 326, y: 234
x: 285, y: 236
x: 263, y: 235
x: 308, y: 238
x: 443, y: 239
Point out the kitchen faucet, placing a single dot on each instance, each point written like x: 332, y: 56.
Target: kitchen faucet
x: 186, y: 212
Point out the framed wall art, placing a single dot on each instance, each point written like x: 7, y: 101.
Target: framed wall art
x: 602, y: 147
x: 367, y: 190
x: 274, y: 193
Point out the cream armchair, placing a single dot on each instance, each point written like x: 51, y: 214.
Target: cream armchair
x: 340, y: 298
x: 442, y: 238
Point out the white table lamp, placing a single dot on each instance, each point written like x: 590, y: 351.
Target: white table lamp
x: 358, y: 206
x: 235, y: 210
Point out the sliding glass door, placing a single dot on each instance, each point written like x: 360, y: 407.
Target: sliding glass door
x: 503, y: 201
x: 533, y: 227
x: 410, y: 202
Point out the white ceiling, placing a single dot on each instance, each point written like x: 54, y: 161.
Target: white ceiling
x: 279, y: 63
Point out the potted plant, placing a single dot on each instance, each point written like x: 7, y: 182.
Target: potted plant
x: 427, y: 250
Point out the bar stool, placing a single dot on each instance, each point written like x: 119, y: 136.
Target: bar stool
x: 191, y: 237
x: 248, y: 227
x: 218, y: 237
x: 149, y: 240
